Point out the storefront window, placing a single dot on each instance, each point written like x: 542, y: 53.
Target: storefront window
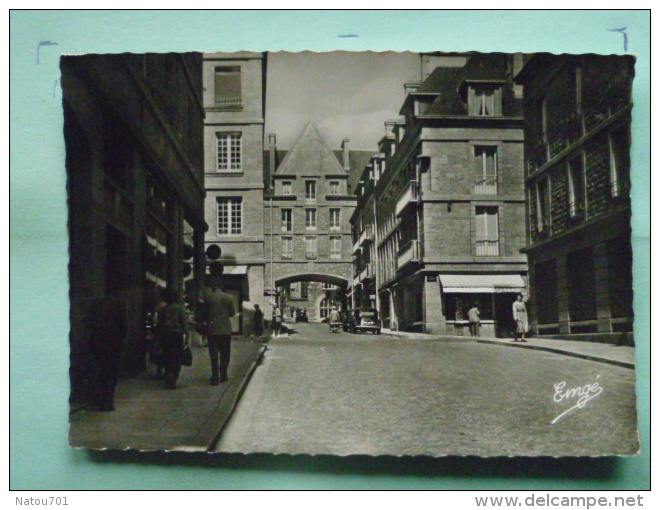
x: 457, y: 306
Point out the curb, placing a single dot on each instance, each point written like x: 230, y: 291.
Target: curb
x: 226, y: 408
x: 623, y: 364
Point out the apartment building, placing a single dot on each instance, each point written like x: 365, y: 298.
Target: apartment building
x: 577, y: 172
x: 448, y: 198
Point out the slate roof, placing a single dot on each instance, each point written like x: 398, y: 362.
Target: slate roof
x: 448, y: 82
x: 310, y: 155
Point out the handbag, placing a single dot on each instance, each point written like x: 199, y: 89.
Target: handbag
x: 186, y: 355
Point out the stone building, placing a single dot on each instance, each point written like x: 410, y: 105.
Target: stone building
x: 133, y: 133
x: 448, y: 199
x: 363, y: 288
x: 577, y: 152
x: 234, y: 103
x: 308, y: 238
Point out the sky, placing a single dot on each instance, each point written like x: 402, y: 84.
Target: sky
x: 344, y: 94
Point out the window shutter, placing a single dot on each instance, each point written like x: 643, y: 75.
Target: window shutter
x: 480, y: 222
x: 497, y: 100
x: 472, y: 102
x: 491, y: 223
x: 477, y: 163
x: 491, y: 162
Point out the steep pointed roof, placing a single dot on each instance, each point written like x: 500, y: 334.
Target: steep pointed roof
x: 310, y: 156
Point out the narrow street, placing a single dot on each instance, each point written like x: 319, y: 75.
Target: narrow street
x: 321, y: 393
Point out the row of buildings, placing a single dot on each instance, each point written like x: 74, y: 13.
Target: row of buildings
x: 504, y: 174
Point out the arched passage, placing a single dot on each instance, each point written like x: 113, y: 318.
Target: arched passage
x: 310, y: 293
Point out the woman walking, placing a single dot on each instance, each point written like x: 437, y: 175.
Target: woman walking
x: 172, y: 331
x: 520, y: 318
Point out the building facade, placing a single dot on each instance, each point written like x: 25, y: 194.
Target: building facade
x: 577, y: 152
x: 133, y: 133
x: 234, y: 105
x: 306, y: 221
x: 448, y: 202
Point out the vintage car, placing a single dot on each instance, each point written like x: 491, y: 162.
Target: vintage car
x: 361, y: 320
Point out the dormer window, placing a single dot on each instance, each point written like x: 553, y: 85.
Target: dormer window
x: 485, y: 99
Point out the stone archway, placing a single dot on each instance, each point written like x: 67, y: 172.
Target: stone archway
x: 319, y: 288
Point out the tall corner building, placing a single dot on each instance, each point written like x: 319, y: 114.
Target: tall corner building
x: 234, y: 103
x: 444, y: 222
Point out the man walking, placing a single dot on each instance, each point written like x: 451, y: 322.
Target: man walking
x: 218, y: 310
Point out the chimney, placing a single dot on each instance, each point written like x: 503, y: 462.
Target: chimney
x: 272, y: 155
x: 345, y: 153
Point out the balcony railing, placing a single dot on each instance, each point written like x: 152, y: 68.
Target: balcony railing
x: 229, y: 103
x: 488, y: 246
x: 367, y: 235
x: 409, y: 196
x: 311, y: 255
x: 409, y: 253
x: 485, y: 187
x: 287, y: 255
x: 367, y: 272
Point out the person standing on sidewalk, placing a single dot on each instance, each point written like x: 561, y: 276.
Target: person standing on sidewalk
x: 520, y: 317
x: 277, y: 320
x: 258, y: 322
x: 475, y: 321
x: 218, y: 310
x: 172, y: 332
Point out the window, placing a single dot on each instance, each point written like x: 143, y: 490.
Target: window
x: 487, y: 231
x: 287, y: 248
x: 486, y: 170
x: 287, y: 220
x: 546, y: 292
x: 286, y: 187
x: 576, y: 187
x: 310, y: 190
x: 310, y: 219
x: 485, y: 99
x: 230, y: 216
x: 328, y: 286
x: 228, y: 87
x: 228, y: 151
x: 335, y: 219
x: 334, y: 188
x: 335, y: 247
x: 581, y: 276
x: 310, y: 247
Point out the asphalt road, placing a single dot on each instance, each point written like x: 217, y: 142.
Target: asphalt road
x: 341, y: 394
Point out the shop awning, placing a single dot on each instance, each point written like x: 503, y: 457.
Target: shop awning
x: 473, y: 283
x: 232, y: 270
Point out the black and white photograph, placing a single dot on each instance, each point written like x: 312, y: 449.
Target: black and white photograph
x: 351, y: 253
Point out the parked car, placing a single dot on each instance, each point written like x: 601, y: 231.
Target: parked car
x: 301, y: 316
x: 359, y: 320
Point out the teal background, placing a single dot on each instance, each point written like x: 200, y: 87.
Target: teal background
x: 39, y: 455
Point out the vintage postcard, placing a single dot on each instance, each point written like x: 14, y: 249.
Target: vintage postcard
x: 351, y: 253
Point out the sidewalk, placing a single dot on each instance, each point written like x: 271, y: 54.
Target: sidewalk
x: 623, y: 356
x: 190, y: 418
